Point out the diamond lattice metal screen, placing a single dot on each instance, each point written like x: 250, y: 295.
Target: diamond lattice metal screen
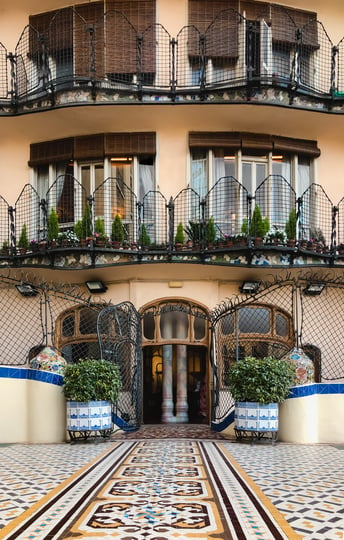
x: 272, y: 322
x: 119, y: 332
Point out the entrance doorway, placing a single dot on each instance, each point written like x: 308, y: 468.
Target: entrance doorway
x: 169, y: 395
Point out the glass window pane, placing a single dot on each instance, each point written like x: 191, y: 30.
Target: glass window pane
x: 68, y: 326
x: 281, y: 325
x: 199, y: 172
x: 174, y: 325
x: 254, y: 321
x: 227, y: 324
x: 148, y: 325
x: 146, y: 177
x: 88, y: 321
x: 199, y: 328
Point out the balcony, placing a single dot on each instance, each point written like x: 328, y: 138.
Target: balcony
x: 276, y: 62
x: 68, y: 229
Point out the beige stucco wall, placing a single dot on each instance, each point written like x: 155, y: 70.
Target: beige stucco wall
x: 34, y: 412
x: 313, y: 419
x: 31, y: 412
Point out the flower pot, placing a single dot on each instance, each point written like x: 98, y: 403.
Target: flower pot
x: 252, y: 416
x: 89, y: 416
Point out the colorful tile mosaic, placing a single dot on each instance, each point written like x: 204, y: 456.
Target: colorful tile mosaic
x: 151, y: 484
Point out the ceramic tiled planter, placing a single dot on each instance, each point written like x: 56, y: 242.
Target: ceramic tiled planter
x: 251, y: 416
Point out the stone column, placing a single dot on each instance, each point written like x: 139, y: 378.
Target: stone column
x: 167, y: 407
x: 182, y: 396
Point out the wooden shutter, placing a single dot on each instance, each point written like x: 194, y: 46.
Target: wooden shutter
x: 56, y: 27
x: 215, y: 139
x: 124, y: 22
x: 47, y: 152
x: 129, y: 144
x: 89, y: 18
x: 296, y: 146
x: 218, y: 21
x: 252, y: 141
x: 255, y: 11
x: 89, y: 147
x: 285, y: 22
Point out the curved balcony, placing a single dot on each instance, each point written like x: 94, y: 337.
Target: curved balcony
x: 69, y: 229
x: 60, y: 59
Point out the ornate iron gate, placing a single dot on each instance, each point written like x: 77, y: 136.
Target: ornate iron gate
x: 119, y: 335
x: 279, y: 317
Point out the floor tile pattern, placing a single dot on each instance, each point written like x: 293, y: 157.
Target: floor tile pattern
x: 304, y: 482
x: 28, y: 472
x: 154, y: 490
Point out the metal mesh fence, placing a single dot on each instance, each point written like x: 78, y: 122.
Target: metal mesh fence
x: 4, y: 67
x: 154, y: 216
x: 27, y: 217
x: 82, y: 46
x: 119, y: 331
x: 315, y: 221
x: 227, y: 204
x: 272, y: 322
x: 275, y: 198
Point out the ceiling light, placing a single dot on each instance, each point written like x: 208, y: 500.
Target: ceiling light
x: 314, y: 289
x: 249, y: 287
x: 96, y: 287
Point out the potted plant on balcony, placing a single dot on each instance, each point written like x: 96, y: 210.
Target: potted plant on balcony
x: 257, y: 386
x: 99, y: 232
x: 290, y: 228
x: 194, y: 233
x: 90, y: 387
x: 23, y: 242
x: 210, y: 232
x: 53, y: 227
x: 179, y: 238
x: 144, y: 238
x: 117, y: 232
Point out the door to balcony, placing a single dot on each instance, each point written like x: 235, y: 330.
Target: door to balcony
x: 175, y: 388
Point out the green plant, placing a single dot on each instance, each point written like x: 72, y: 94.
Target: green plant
x: 290, y: 226
x: 5, y: 245
x: 194, y: 231
x: 117, y: 230
x: 259, y: 225
x: 86, y: 222
x: 210, y: 231
x: 91, y: 380
x: 179, y: 238
x: 99, y: 228
x: 263, y: 380
x: 78, y: 229
x: 279, y: 236
x: 23, y: 241
x: 144, y: 238
x: 53, y: 225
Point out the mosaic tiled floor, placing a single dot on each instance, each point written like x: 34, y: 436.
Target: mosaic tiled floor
x: 158, y: 487
x: 155, y: 490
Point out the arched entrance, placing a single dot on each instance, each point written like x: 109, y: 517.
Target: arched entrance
x: 175, y: 363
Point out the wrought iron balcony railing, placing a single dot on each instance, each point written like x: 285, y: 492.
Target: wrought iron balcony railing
x: 70, y: 51
x: 228, y: 217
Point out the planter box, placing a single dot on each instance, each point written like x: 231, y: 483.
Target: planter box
x: 256, y: 417
x: 89, y: 416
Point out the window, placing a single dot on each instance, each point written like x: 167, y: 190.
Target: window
x: 226, y: 168
x: 76, y: 333
x: 113, y: 169
x: 174, y: 322
x: 257, y: 330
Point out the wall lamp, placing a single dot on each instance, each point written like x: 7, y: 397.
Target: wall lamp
x: 26, y: 289
x: 249, y: 287
x: 96, y: 287
x: 314, y: 288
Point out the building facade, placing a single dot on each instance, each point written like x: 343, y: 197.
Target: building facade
x: 187, y: 163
